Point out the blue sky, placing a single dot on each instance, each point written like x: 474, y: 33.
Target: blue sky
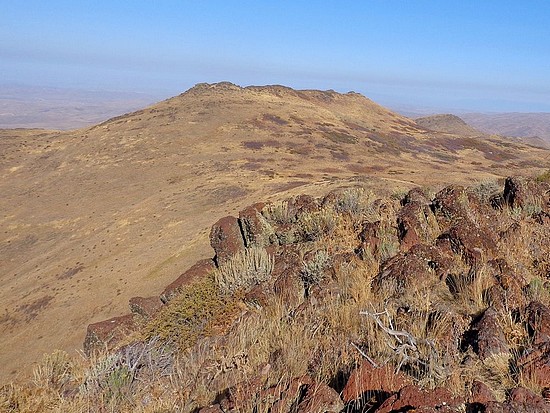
x: 470, y: 55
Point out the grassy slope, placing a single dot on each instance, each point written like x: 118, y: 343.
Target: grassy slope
x: 95, y: 216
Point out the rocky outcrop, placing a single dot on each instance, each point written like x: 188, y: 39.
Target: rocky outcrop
x: 199, y: 270
x: 448, y: 247
x: 489, y: 337
x: 413, y: 398
x: 226, y: 239
x: 107, y: 334
x: 300, y: 395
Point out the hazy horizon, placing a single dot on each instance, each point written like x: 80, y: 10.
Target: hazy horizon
x: 467, y: 56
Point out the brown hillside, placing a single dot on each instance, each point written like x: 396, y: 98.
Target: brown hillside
x: 95, y: 216
x: 447, y: 123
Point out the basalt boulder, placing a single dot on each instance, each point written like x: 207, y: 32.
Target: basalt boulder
x: 412, y: 398
x: 256, y: 230
x: 422, y: 266
x: 226, y: 239
x: 198, y: 271
x: 108, y: 333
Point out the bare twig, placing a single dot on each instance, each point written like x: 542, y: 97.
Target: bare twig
x: 371, y: 361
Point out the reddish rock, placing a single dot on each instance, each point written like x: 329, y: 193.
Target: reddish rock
x: 107, y: 334
x: 412, y: 398
x: 538, y: 319
x: 520, y: 192
x: 255, y: 228
x: 520, y: 400
x: 145, y: 307
x: 200, y: 270
x: 490, y: 338
x: 367, y: 381
x: 226, y: 239
x: 474, y: 243
x: 415, y: 221
x: 535, y: 364
x: 422, y: 266
x: 481, y: 393
x: 370, y: 238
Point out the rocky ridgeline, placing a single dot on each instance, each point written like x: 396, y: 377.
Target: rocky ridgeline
x: 458, y: 242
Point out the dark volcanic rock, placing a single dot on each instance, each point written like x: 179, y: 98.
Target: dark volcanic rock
x: 145, y: 307
x: 415, y: 221
x: 412, y: 398
x: 226, y: 239
x: 490, y: 338
x: 108, y: 333
x: 199, y: 270
x: 422, y: 266
x: 255, y: 228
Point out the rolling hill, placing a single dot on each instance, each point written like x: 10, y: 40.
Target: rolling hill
x: 95, y: 216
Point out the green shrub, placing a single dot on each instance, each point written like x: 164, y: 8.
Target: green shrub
x: 278, y: 213
x: 196, y: 312
x: 486, y: 189
x: 314, y: 225
x: 544, y: 177
x: 313, y: 271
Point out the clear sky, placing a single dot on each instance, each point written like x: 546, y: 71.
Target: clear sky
x: 463, y: 54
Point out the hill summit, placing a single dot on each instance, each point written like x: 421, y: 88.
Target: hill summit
x: 447, y: 123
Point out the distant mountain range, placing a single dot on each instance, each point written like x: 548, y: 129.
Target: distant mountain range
x: 61, y: 108
x: 525, y: 125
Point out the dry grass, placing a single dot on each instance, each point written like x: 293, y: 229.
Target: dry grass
x: 207, y: 344
x: 247, y: 268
